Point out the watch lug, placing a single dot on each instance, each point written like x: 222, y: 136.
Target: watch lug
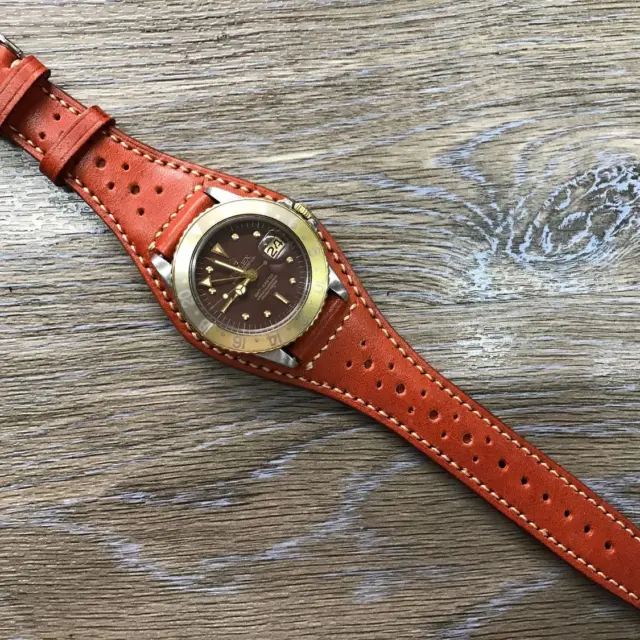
x: 221, y: 195
x: 163, y: 267
x: 5, y: 42
x: 279, y: 356
x: 335, y: 285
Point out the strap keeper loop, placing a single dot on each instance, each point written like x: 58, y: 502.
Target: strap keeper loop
x: 70, y: 142
x: 22, y: 75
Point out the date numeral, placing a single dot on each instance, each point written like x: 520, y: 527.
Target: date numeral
x: 272, y: 246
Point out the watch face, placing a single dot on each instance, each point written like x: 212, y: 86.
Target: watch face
x: 250, y: 274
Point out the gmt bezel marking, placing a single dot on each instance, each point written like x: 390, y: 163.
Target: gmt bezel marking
x: 231, y: 339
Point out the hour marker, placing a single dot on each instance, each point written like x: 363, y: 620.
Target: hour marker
x: 245, y: 316
x: 289, y: 259
x: 225, y: 296
x: 235, y: 236
x: 212, y: 291
x: 209, y: 269
x: 219, y: 250
x: 281, y: 298
x: 267, y: 313
x: 206, y: 282
x: 292, y: 280
x: 256, y: 234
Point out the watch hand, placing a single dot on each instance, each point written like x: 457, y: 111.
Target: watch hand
x: 226, y: 265
x: 240, y: 290
x: 251, y: 275
x: 227, y: 279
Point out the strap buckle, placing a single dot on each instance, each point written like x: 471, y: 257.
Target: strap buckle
x: 12, y: 47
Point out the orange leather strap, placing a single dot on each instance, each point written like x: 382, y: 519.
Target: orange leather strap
x: 351, y: 353
x: 71, y: 141
x: 370, y: 367
x: 20, y: 77
x: 308, y: 348
x: 169, y: 235
x: 135, y: 189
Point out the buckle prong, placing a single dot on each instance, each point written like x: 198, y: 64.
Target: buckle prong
x: 12, y: 47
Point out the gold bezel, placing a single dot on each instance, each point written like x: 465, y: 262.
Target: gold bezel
x: 285, y: 333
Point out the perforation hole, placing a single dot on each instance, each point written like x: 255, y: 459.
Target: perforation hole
x: 411, y: 409
x: 487, y: 439
x: 423, y: 393
x: 140, y: 211
x: 56, y: 116
x: 502, y: 463
x: 101, y: 163
x: 125, y: 166
x: 379, y: 384
x: 587, y: 529
x: 524, y: 481
x: 368, y: 364
x: 475, y: 459
x: 545, y: 497
x: 159, y: 189
x: 349, y: 364
x: 391, y: 366
x: 443, y: 435
x: 363, y: 344
x: 434, y: 415
x: 111, y: 186
x: 400, y: 389
x: 134, y: 189
x: 567, y: 513
x: 42, y: 135
x: 467, y: 438
x: 456, y: 417
x: 608, y: 545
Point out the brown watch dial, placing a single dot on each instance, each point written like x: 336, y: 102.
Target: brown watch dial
x: 250, y: 274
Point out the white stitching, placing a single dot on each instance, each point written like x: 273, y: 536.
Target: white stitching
x: 310, y: 364
x: 61, y: 101
x: 185, y: 169
x: 467, y: 406
x: 155, y: 160
x: 31, y: 143
x: 181, y: 206
x: 519, y: 513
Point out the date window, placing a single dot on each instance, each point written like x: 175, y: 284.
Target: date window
x: 272, y: 246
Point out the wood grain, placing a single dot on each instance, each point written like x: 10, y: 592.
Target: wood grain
x: 478, y: 161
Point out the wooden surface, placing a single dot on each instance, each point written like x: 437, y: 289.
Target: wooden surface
x: 478, y: 162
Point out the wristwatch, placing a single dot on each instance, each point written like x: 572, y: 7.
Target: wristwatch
x: 253, y: 279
